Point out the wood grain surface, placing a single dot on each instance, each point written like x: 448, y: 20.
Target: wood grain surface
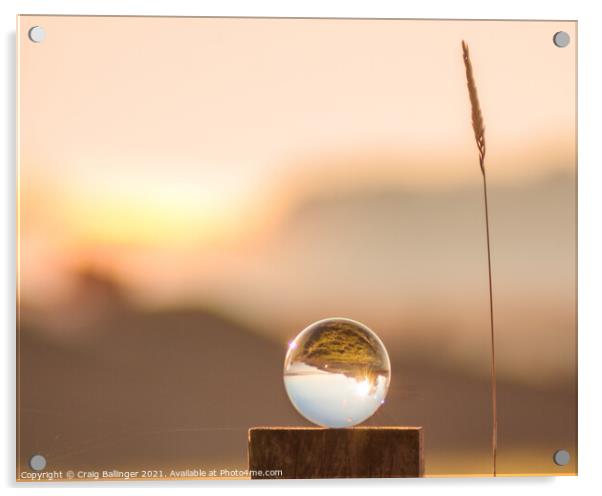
x: 313, y: 452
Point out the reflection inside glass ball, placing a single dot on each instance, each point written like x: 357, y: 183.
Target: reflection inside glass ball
x: 337, y: 372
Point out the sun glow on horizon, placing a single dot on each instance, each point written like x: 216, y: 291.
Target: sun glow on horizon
x: 141, y: 210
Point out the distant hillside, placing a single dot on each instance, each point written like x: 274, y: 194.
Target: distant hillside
x: 179, y: 389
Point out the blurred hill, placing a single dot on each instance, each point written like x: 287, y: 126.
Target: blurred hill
x: 179, y: 388
x: 176, y: 387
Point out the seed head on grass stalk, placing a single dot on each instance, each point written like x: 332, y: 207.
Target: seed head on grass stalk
x: 478, y: 127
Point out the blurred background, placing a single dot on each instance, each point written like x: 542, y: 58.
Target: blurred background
x: 189, y: 202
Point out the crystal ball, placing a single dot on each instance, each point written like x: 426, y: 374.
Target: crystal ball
x: 337, y: 372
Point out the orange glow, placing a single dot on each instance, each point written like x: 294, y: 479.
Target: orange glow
x: 233, y: 180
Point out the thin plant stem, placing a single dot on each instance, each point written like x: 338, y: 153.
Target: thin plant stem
x: 493, y: 371
x: 479, y: 133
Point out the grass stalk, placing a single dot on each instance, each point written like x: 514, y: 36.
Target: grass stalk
x: 478, y: 127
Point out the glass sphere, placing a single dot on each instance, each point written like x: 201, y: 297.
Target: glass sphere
x: 337, y: 372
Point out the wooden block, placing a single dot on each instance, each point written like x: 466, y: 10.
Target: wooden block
x: 315, y: 453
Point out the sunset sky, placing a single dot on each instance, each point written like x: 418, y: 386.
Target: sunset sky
x: 193, y: 126
x: 179, y: 162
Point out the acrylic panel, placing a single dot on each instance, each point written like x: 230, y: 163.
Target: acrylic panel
x: 193, y: 193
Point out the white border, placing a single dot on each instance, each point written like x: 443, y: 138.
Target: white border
x: 590, y: 208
